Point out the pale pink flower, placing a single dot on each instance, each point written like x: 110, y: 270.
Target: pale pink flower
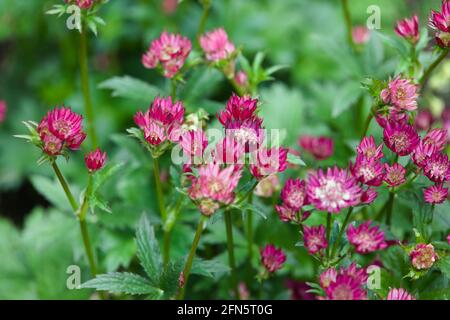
x: 327, y: 277
x: 216, y: 45
x: 440, y: 22
x: 315, y: 239
x: 437, y: 138
x: 401, y: 94
x: 395, y: 174
x: 320, y: 147
x: 400, y: 138
x: 423, y: 256
x: 399, y: 294
x: 193, y: 144
x: 360, y: 34
x: 293, y: 194
x: 369, y: 149
x: 272, y: 258
x: 408, y: 29
x: 435, y: 194
x: 95, y: 160
x: 366, y: 239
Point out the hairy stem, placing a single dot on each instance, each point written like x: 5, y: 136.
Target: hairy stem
x: 230, y: 248
x: 84, y: 72
x: 190, y: 259
x: 423, y: 81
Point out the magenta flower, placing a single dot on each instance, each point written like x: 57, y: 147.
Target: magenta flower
x: 345, y: 288
x: 435, y: 194
x: 395, y: 174
x: 440, y: 22
x: 238, y: 108
x: 193, y: 144
x: 437, y: 138
x: 272, y: 258
x: 95, y: 160
x: 60, y: 128
x: 320, y: 147
x: 286, y: 213
x: 401, y: 94
x: 327, y: 277
x: 360, y: 34
x: 267, y: 186
x: 437, y: 167
x: 369, y: 149
x: 85, y: 4
x: 216, y: 45
x: 423, y: 256
x: 214, y: 187
x: 366, y: 239
x: 422, y: 153
x: 293, y: 194
x: 368, y: 196
x: 162, y: 121
x: 368, y: 171
x: 170, y: 51
x: 3, y: 109
x: 424, y: 120
x: 408, y: 29
x: 315, y: 239
x: 229, y: 151
x: 400, y: 138
x: 268, y: 161
x: 399, y: 294
x: 334, y: 190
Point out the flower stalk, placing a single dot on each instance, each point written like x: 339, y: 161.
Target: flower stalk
x: 230, y: 249
x: 341, y: 231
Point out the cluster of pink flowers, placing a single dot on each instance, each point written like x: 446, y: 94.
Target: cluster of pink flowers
x: 409, y: 29
x: 294, y: 197
x: 272, y: 258
x: 346, y: 284
x: 401, y: 95
x: 162, y: 121
x: 216, y: 45
x: 3, y: 109
x: 95, y: 160
x: 315, y: 239
x: 169, y: 51
x: 320, y: 147
x: 61, y: 128
x: 423, y: 256
x: 440, y: 22
x: 365, y: 238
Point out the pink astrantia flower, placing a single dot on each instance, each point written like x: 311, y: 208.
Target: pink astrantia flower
x: 268, y: 161
x: 366, y: 239
x: 368, y: 171
x: 267, y: 186
x: 360, y: 35
x: 440, y: 22
x: 400, y: 138
x: 424, y: 120
x: 320, y: 147
x: 272, y: 258
x: 423, y: 256
x: 286, y: 213
x: 395, y: 174
x: 437, y: 138
x: 327, y: 277
x: 408, y: 29
x: 399, y: 294
x: 334, y: 190
x: 315, y: 240
x: 401, y: 94
x: 214, y: 187
x: 293, y: 194
x: 162, y: 121
x: 95, y: 160
x: 369, y: 149
x: 345, y: 288
x: 241, y: 79
x: 383, y: 118
x: 435, y: 194
x: 170, y: 51
x: 229, y: 151
x: 368, y: 196
x: 193, y: 144
x: 238, y: 108
x: 437, y: 167
x: 3, y: 109
x: 421, y: 154
x: 216, y: 45
x: 85, y: 4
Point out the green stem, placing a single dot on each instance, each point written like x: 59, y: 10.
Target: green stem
x: 328, y: 232
x: 173, y: 89
x: 230, y: 248
x: 84, y: 70
x: 190, y: 259
x: 88, y: 247
x: 348, y: 23
x: 389, y: 207
x: 250, y: 240
x: 203, y: 19
x: 367, y: 124
x: 429, y: 71
x: 65, y: 186
x: 162, y: 209
x: 341, y: 232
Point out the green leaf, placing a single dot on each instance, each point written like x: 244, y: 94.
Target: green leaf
x: 347, y: 95
x: 131, y: 88
x: 294, y: 159
x: 52, y: 191
x: 209, y: 268
x: 101, y: 176
x: 170, y: 277
x: 123, y: 282
x: 148, y: 251
x: 444, y: 265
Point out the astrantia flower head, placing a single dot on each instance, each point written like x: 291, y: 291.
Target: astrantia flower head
x: 327, y: 277
x: 95, y: 160
x: 193, y: 144
x: 368, y: 196
x: 366, y: 239
x: 369, y: 149
x: 216, y: 45
x: 395, y: 174
x: 169, y: 51
x: 401, y: 94
x: 368, y: 171
x: 408, y: 29
x: 345, y: 288
x: 267, y: 186
x: 399, y: 294
x: 238, y: 108
x: 437, y: 167
x: 435, y: 194
x: 423, y: 256
x: 229, y: 151
x: 286, y: 213
x: 2, y: 110
x: 320, y: 147
x: 85, y: 4
x: 333, y: 190
x: 214, y: 187
x: 440, y: 22
x: 272, y: 258
x: 437, y: 138
x: 268, y: 161
x: 400, y: 138
x: 421, y: 153
x: 293, y: 194
x: 360, y: 34
x: 315, y: 239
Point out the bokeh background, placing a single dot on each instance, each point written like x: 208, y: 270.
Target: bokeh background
x: 316, y: 94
